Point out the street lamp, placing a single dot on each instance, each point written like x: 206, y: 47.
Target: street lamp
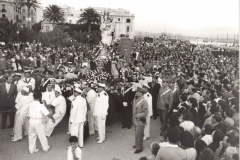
x: 88, y: 39
x: 18, y: 36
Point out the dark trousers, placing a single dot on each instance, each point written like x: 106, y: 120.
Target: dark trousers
x: 4, y: 118
x: 139, y: 133
x: 155, y: 113
x: 164, y: 120
x: 127, y: 116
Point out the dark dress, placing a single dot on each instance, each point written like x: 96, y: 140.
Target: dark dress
x: 112, y: 114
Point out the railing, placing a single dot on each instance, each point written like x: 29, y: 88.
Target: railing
x: 3, y: 10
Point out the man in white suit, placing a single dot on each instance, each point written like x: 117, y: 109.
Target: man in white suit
x: 148, y: 97
x: 91, y: 96
x: 100, y: 110
x: 23, y: 101
x: 59, y: 105
x: 78, y: 115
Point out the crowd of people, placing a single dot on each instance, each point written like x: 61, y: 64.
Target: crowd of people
x: 194, y: 93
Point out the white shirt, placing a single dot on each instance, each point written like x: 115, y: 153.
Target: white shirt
x: 26, y: 81
x: 22, y: 104
x: 148, y: 97
x: 101, y: 104
x: 48, y: 97
x: 37, y: 110
x: 60, y: 105
x: 91, y: 96
x: 7, y: 87
x: 208, y: 139
x: 187, y: 125
x: 78, y: 153
x: 79, y: 110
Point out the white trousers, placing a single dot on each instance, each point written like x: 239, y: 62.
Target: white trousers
x: 101, y: 127
x: 77, y: 130
x: 91, y: 122
x: 147, y: 127
x: 49, y: 127
x: 20, y: 125
x: 36, y: 129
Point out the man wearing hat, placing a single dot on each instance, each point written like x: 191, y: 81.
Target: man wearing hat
x: 17, y: 78
x: 23, y: 101
x: 164, y: 103
x: 59, y: 106
x: 91, y: 96
x: 100, y: 110
x: 148, y: 97
x: 154, y: 90
x: 27, y: 79
x: 78, y: 115
x: 140, y: 111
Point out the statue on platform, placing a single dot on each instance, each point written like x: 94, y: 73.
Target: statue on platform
x: 107, y: 29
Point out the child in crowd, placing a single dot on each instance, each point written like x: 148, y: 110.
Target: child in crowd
x: 74, y: 151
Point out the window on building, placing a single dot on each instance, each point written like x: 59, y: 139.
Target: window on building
x: 3, y: 16
x: 47, y: 28
x: 32, y: 11
x: 17, y: 18
x: 119, y: 19
x: 3, y: 6
x: 24, y: 25
x: 23, y: 18
x: 128, y: 28
x: 32, y: 18
x: 23, y: 10
x: 128, y: 20
x: 72, y: 15
x: 70, y: 21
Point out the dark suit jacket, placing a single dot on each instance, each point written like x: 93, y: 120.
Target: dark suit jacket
x: 7, y: 99
x: 221, y: 126
x: 154, y: 90
x: 128, y: 97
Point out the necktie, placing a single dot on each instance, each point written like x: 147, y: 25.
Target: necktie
x: 98, y: 95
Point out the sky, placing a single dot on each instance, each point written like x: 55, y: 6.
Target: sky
x: 184, y: 17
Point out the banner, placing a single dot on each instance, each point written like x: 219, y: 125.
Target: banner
x: 126, y: 45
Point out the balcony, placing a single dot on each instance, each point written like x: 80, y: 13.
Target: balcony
x: 3, y: 10
x: 32, y: 13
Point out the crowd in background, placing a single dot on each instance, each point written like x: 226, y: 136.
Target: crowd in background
x: 194, y: 93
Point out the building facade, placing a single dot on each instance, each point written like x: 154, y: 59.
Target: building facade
x: 9, y: 10
x: 123, y: 19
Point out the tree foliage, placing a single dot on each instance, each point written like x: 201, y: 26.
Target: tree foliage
x: 55, y: 37
x: 84, y: 37
x: 8, y: 31
x: 54, y: 14
x: 89, y: 17
x: 27, y: 35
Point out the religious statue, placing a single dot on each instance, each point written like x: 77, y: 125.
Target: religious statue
x: 107, y: 29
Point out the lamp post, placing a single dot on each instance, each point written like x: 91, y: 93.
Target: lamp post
x: 88, y: 39
x: 17, y: 36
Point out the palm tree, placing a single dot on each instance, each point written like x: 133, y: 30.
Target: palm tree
x: 54, y: 14
x: 8, y: 31
x: 29, y: 4
x: 89, y: 16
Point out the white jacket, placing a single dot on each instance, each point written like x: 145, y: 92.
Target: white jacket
x: 101, y: 104
x: 148, y: 97
x: 79, y: 110
x: 91, y: 97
